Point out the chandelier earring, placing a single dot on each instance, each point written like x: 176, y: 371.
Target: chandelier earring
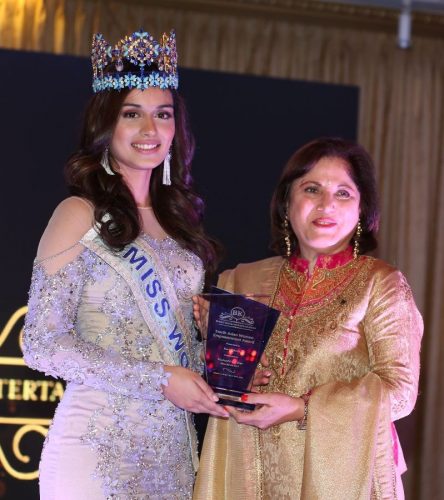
x: 166, y: 179
x: 287, y: 236
x: 356, y: 240
x: 104, y: 161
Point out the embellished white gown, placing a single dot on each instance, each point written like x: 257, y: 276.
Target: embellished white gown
x: 114, y: 435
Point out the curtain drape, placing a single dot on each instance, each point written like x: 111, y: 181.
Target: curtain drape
x: 401, y: 123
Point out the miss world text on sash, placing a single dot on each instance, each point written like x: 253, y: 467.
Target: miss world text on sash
x: 150, y: 283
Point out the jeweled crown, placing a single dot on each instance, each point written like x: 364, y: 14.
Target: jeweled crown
x: 142, y: 51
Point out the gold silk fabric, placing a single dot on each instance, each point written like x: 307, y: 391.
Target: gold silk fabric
x: 353, y: 340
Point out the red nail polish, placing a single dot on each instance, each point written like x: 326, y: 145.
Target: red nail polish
x: 244, y: 397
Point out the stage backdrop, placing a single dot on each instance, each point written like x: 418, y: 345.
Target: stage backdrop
x: 245, y: 128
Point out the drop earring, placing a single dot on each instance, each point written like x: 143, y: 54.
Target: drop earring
x: 356, y: 240
x: 104, y: 161
x: 287, y: 235
x: 166, y: 179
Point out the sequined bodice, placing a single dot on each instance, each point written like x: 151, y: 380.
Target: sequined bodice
x: 184, y: 268
x: 108, y: 314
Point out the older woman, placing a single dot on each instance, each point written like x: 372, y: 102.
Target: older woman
x: 343, y: 359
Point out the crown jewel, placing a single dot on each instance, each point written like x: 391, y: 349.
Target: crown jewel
x: 140, y: 49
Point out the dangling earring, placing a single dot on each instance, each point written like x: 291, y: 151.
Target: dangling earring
x: 356, y: 240
x: 287, y: 235
x: 166, y: 179
x: 104, y: 161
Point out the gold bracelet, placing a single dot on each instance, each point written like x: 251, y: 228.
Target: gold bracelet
x: 302, y: 423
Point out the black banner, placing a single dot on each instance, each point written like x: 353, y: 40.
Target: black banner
x: 246, y: 128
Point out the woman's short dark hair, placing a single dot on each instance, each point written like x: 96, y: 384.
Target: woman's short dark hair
x: 177, y: 207
x: 362, y: 172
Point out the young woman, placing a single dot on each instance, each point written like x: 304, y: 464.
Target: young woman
x: 110, y: 302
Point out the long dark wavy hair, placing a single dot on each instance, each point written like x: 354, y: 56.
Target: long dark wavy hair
x: 362, y: 172
x: 178, y: 208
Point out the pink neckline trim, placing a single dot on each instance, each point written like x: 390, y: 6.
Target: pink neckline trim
x: 323, y: 261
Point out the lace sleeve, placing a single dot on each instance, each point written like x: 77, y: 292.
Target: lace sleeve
x: 52, y: 345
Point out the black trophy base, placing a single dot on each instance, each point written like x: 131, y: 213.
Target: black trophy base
x: 232, y: 398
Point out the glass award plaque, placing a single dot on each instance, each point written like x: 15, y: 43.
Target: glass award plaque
x: 236, y: 328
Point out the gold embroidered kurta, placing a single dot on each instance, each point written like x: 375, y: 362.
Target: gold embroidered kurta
x: 353, y: 339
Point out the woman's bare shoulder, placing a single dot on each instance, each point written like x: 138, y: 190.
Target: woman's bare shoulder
x: 70, y: 221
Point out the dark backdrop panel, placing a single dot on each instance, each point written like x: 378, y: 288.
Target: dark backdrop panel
x: 246, y: 128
